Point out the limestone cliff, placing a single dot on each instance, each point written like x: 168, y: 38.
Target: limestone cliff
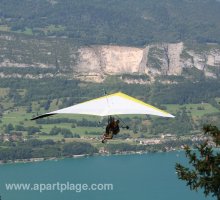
x: 99, y: 61
x: 96, y: 62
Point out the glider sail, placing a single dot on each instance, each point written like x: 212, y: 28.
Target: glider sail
x: 114, y: 104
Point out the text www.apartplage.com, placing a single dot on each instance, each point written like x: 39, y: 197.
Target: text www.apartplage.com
x: 61, y: 187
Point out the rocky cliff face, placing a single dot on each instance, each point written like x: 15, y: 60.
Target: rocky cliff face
x: 96, y: 62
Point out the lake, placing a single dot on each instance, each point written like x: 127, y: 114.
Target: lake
x: 148, y: 176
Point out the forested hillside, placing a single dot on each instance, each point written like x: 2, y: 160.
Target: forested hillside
x: 129, y: 22
x: 56, y: 53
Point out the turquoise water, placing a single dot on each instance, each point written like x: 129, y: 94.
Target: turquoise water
x: 148, y: 176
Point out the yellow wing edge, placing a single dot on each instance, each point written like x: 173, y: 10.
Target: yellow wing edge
x: 140, y: 102
x: 125, y: 96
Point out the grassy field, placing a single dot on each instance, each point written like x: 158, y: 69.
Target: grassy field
x: 3, y: 92
x: 53, y: 28
x: 4, y: 28
x: 53, y: 137
x: 26, y: 31
x: 196, y: 110
x: 217, y: 99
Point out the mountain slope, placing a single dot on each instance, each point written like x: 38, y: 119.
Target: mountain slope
x: 129, y: 23
x: 22, y: 56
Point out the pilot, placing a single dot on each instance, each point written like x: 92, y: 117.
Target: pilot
x: 111, y: 129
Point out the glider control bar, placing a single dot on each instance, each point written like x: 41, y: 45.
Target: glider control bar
x: 42, y: 116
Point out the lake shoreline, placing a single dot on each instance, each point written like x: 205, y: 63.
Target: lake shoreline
x: 33, y: 160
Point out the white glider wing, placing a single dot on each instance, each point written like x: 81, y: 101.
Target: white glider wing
x: 114, y: 104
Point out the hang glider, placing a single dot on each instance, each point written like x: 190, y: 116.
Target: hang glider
x: 114, y: 104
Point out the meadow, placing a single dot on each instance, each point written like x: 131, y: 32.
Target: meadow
x: 18, y: 116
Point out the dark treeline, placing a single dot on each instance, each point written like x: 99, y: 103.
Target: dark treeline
x: 71, y: 92
x: 83, y: 122
x: 11, y: 129
x: 44, y: 149
x: 78, y: 148
x: 28, y: 70
x: 181, y: 124
x: 31, y: 130
x: 63, y: 131
x: 187, y: 92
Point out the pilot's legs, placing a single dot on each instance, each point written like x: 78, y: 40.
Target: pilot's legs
x: 107, y: 136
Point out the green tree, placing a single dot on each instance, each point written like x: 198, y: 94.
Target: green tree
x: 204, y: 172
x: 9, y: 128
x: 32, y: 130
x: 78, y: 148
x: 55, y: 131
x: 1, y: 111
x: 29, y: 108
